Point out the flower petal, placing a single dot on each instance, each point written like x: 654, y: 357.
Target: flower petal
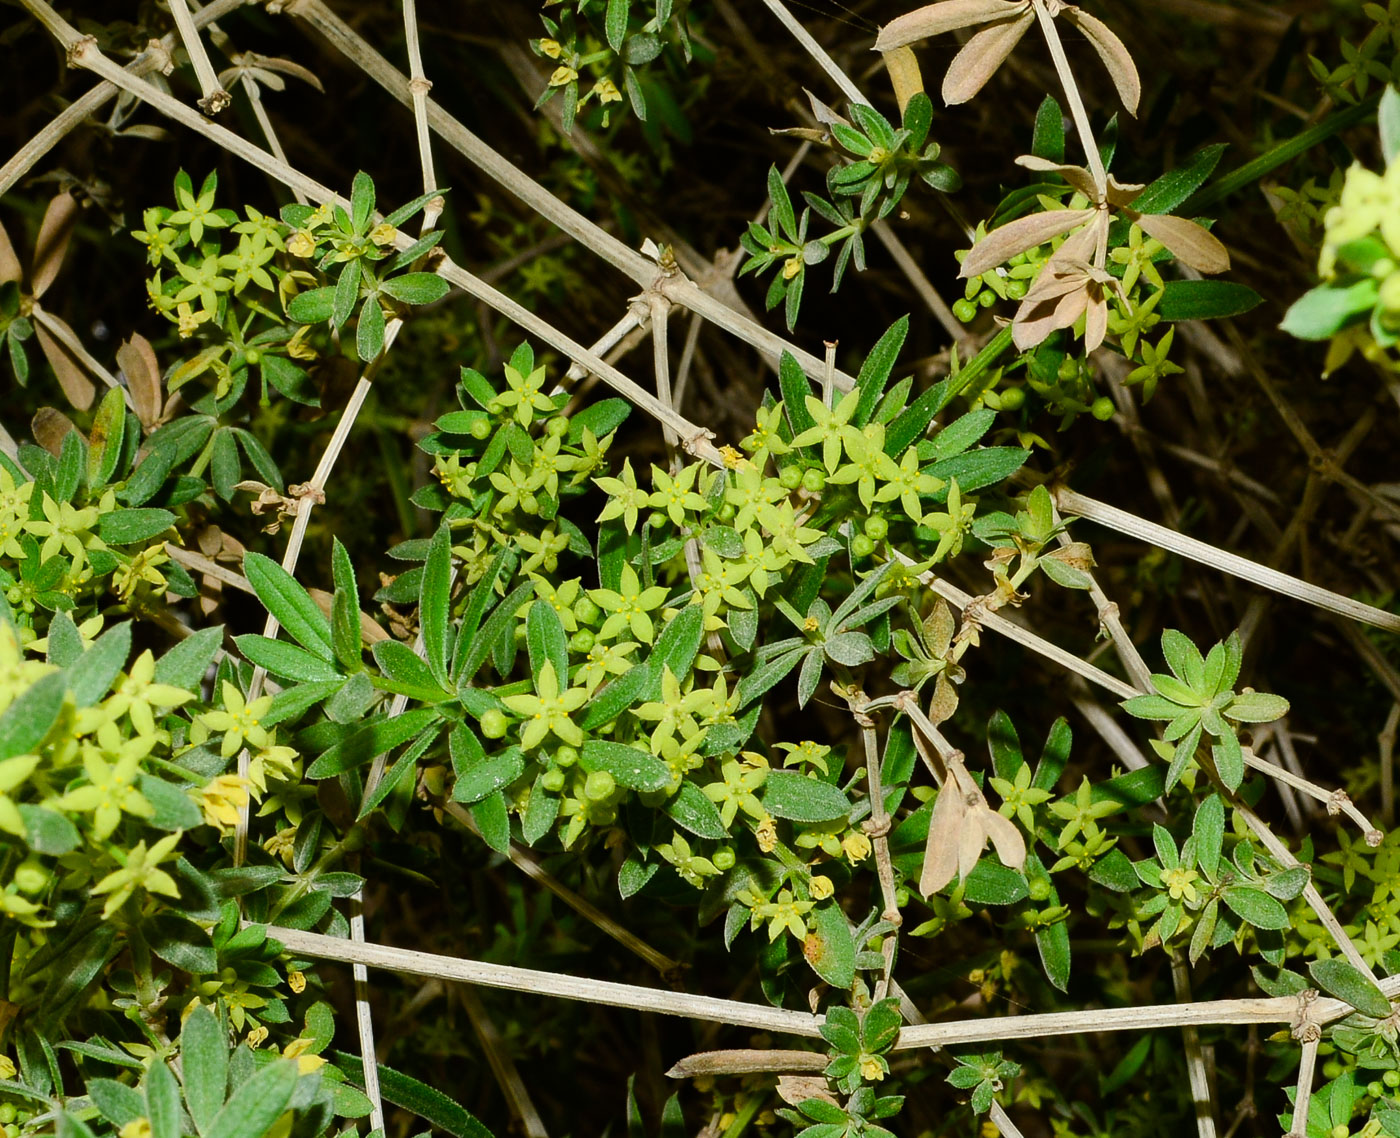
x: 1114, y: 55
x: 981, y: 56
x: 1017, y: 236
x: 934, y: 19
x: 1188, y: 242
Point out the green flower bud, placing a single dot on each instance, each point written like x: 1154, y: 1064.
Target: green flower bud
x: 494, y: 723
x: 813, y: 481
x: 1103, y: 409
x: 599, y: 786
x: 791, y: 476
x: 1012, y: 398
x: 965, y: 310
x: 876, y: 527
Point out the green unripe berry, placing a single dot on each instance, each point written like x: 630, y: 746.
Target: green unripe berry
x: 1375, y: 1089
x: 495, y: 407
x: 552, y: 781
x: 723, y: 858
x: 1012, y: 398
x: 1039, y: 889
x: 1103, y: 409
x: 876, y: 527
x: 814, y: 481
x: 1382, y: 267
x: 657, y: 520
x: 987, y: 299
x: 965, y: 310
x: 1331, y: 1069
x: 727, y: 512
x: 566, y: 756
x: 494, y: 723
x: 520, y: 634
x: 253, y: 357
x: 598, y: 786
x: 1390, y: 293
x: 7, y: 1113
x: 862, y: 546
x: 31, y: 876
x: 582, y: 641
x: 587, y: 610
x: 11, y: 1130
x: 1391, y: 1079
x: 481, y: 428
x: 1341, y: 1131
x: 791, y: 477
x: 557, y: 427
x: 1069, y: 369
x: 1019, y: 259
x: 1016, y: 289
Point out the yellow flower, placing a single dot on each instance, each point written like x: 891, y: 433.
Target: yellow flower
x: 296, y: 981
x: 257, y: 1037
x: 871, y: 1070
x: 136, y: 1128
x: 607, y: 91
x: 550, y: 48
x: 298, y: 348
x: 298, y: 1049
x: 821, y: 888
x: 562, y: 77
x: 383, y: 234
x: 767, y: 835
x: 188, y: 320
x: 301, y: 244
x: 856, y: 846
x: 223, y: 798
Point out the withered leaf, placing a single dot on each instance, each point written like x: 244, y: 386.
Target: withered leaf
x: 1004, y: 242
x: 72, y: 376
x: 50, y: 427
x: 980, y: 57
x: 54, y: 232
x: 137, y: 360
x: 1116, y: 59
x: 948, y: 16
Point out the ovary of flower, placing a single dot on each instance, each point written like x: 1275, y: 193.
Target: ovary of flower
x: 140, y: 869
x: 548, y: 710
x: 239, y: 721
x: 222, y: 798
x: 1181, y: 883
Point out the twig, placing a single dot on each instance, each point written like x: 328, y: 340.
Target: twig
x: 1076, y: 103
x: 1386, y: 741
x: 1113, y: 518
x: 1195, y: 1060
x: 215, y: 98
x: 487, y: 975
x: 498, y: 1056
x: 746, y: 1062
x: 1303, y: 1099
x: 419, y: 86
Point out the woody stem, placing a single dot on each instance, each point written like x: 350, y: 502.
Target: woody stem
x: 1076, y: 104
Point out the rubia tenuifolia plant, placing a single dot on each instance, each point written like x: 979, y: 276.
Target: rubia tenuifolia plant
x: 736, y: 683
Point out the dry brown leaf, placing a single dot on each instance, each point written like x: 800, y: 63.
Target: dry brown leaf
x: 137, y: 360
x: 905, y: 76
x: 1186, y: 241
x: 1003, y: 243
x: 54, y: 232
x: 10, y: 268
x: 948, y: 16
x: 944, y: 837
x: 794, y: 1089
x: 1076, y: 176
x: 1114, y: 54
x: 945, y: 700
x: 958, y: 832
x: 747, y: 1061
x: 50, y: 427
x: 72, y: 376
x: 981, y: 56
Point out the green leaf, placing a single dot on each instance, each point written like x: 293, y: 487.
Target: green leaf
x: 1388, y: 120
x: 831, y: 949
x: 1229, y: 760
x: 28, y: 719
x: 129, y: 527
x: 285, y: 660
x: 1209, y: 831
x: 186, y: 664
x: 875, y: 371
x: 783, y: 216
x: 1048, y: 141
x: 1344, y: 980
x: 621, y: 693
x: 347, y: 292
x: 118, y: 1102
x: 404, y: 766
x: 435, y: 605
x: 630, y: 767
x: 183, y: 944
x: 47, y: 831
x: 290, y: 604
x: 416, y: 288
x: 91, y: 676
x: 1256, y: 707
x: 203, y: 1065
x: 1321, y: 313
x: 1207, y: 300
x: 313, y: 306
x: 991, y: 883
x: 985, y: 466
x: 615, y: 24
x: 487, y: 777
x: 174, y: 809
x: 1175, y: 186
x: 1256, y: 907
x: 691, y: 810
x: 361, y: 201
x: 794, y: 796
x: 106, y: 438
x: 795, y: 388
x: 406, y: 673
x: 369, y: 741
x: 546, y: 641
x: 369, y: 330
x: 255, y: 1106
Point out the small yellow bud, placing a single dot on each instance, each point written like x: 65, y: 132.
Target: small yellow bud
x: 767, y: 835
x: 607, y: 91
x: 791, y: 267
x: 856, y: 846
x: 562, y: 77
x: 550, y: 48
x: 821, y: 888
x: 383, y: 234
x: 871, y: 1070
x: 257, y: 1037
x: 136, y: 1128
x: 296, y: 981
